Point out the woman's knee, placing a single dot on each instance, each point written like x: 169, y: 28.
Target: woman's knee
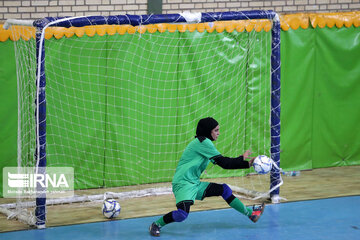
x: 179, y: 215
x: 227, y: 192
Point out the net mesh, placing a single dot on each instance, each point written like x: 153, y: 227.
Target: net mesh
x: 123, y: 102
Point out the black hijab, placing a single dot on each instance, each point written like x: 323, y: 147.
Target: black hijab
x: 204, y: 128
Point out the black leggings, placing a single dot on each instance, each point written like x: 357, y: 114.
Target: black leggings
x: 214, y: 189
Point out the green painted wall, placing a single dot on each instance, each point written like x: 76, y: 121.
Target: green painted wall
x: 320, y: 118
x: 8, y: 108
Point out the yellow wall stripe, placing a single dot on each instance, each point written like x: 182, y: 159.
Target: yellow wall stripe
x: 293, y: 21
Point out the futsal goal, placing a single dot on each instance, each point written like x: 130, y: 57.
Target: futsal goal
x: 117, y: 99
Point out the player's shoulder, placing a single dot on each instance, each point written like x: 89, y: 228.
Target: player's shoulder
x: 208, y: 142
x: 203, y: 144
x: 197, y: 141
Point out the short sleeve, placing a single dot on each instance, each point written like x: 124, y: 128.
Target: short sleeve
x: 208, y: 150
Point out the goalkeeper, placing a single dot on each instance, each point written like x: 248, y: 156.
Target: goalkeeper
x: 186, y: 183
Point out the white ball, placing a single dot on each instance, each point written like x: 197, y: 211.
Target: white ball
x: 262, y: 164
x: 111, y: 208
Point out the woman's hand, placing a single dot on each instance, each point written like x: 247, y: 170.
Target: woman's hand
x: 246, y: 156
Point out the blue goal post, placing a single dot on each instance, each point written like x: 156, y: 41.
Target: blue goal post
x: 136, y: 20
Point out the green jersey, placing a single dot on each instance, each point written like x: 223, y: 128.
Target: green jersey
x: 193, y: 162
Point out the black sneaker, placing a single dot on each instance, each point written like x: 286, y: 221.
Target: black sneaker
x: 154, y: 230
x: 257, y: 211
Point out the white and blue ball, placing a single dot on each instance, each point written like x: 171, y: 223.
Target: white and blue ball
x: 262, y: 164
x: 111, y: 208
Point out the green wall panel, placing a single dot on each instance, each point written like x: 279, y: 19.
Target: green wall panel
x: 8, y: 108
x: 336, y: 126
x: 136, y: 94
x: 297, y: 87
x: 76, y: 107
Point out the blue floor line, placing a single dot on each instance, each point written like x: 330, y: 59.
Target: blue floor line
x: 333, y: 218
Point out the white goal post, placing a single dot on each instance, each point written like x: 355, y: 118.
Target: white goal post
x: 118, y: 99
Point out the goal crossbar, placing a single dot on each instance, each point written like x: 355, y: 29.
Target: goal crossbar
x: 136, y: 20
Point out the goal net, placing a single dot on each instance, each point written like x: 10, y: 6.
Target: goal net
x: 118, y: 99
